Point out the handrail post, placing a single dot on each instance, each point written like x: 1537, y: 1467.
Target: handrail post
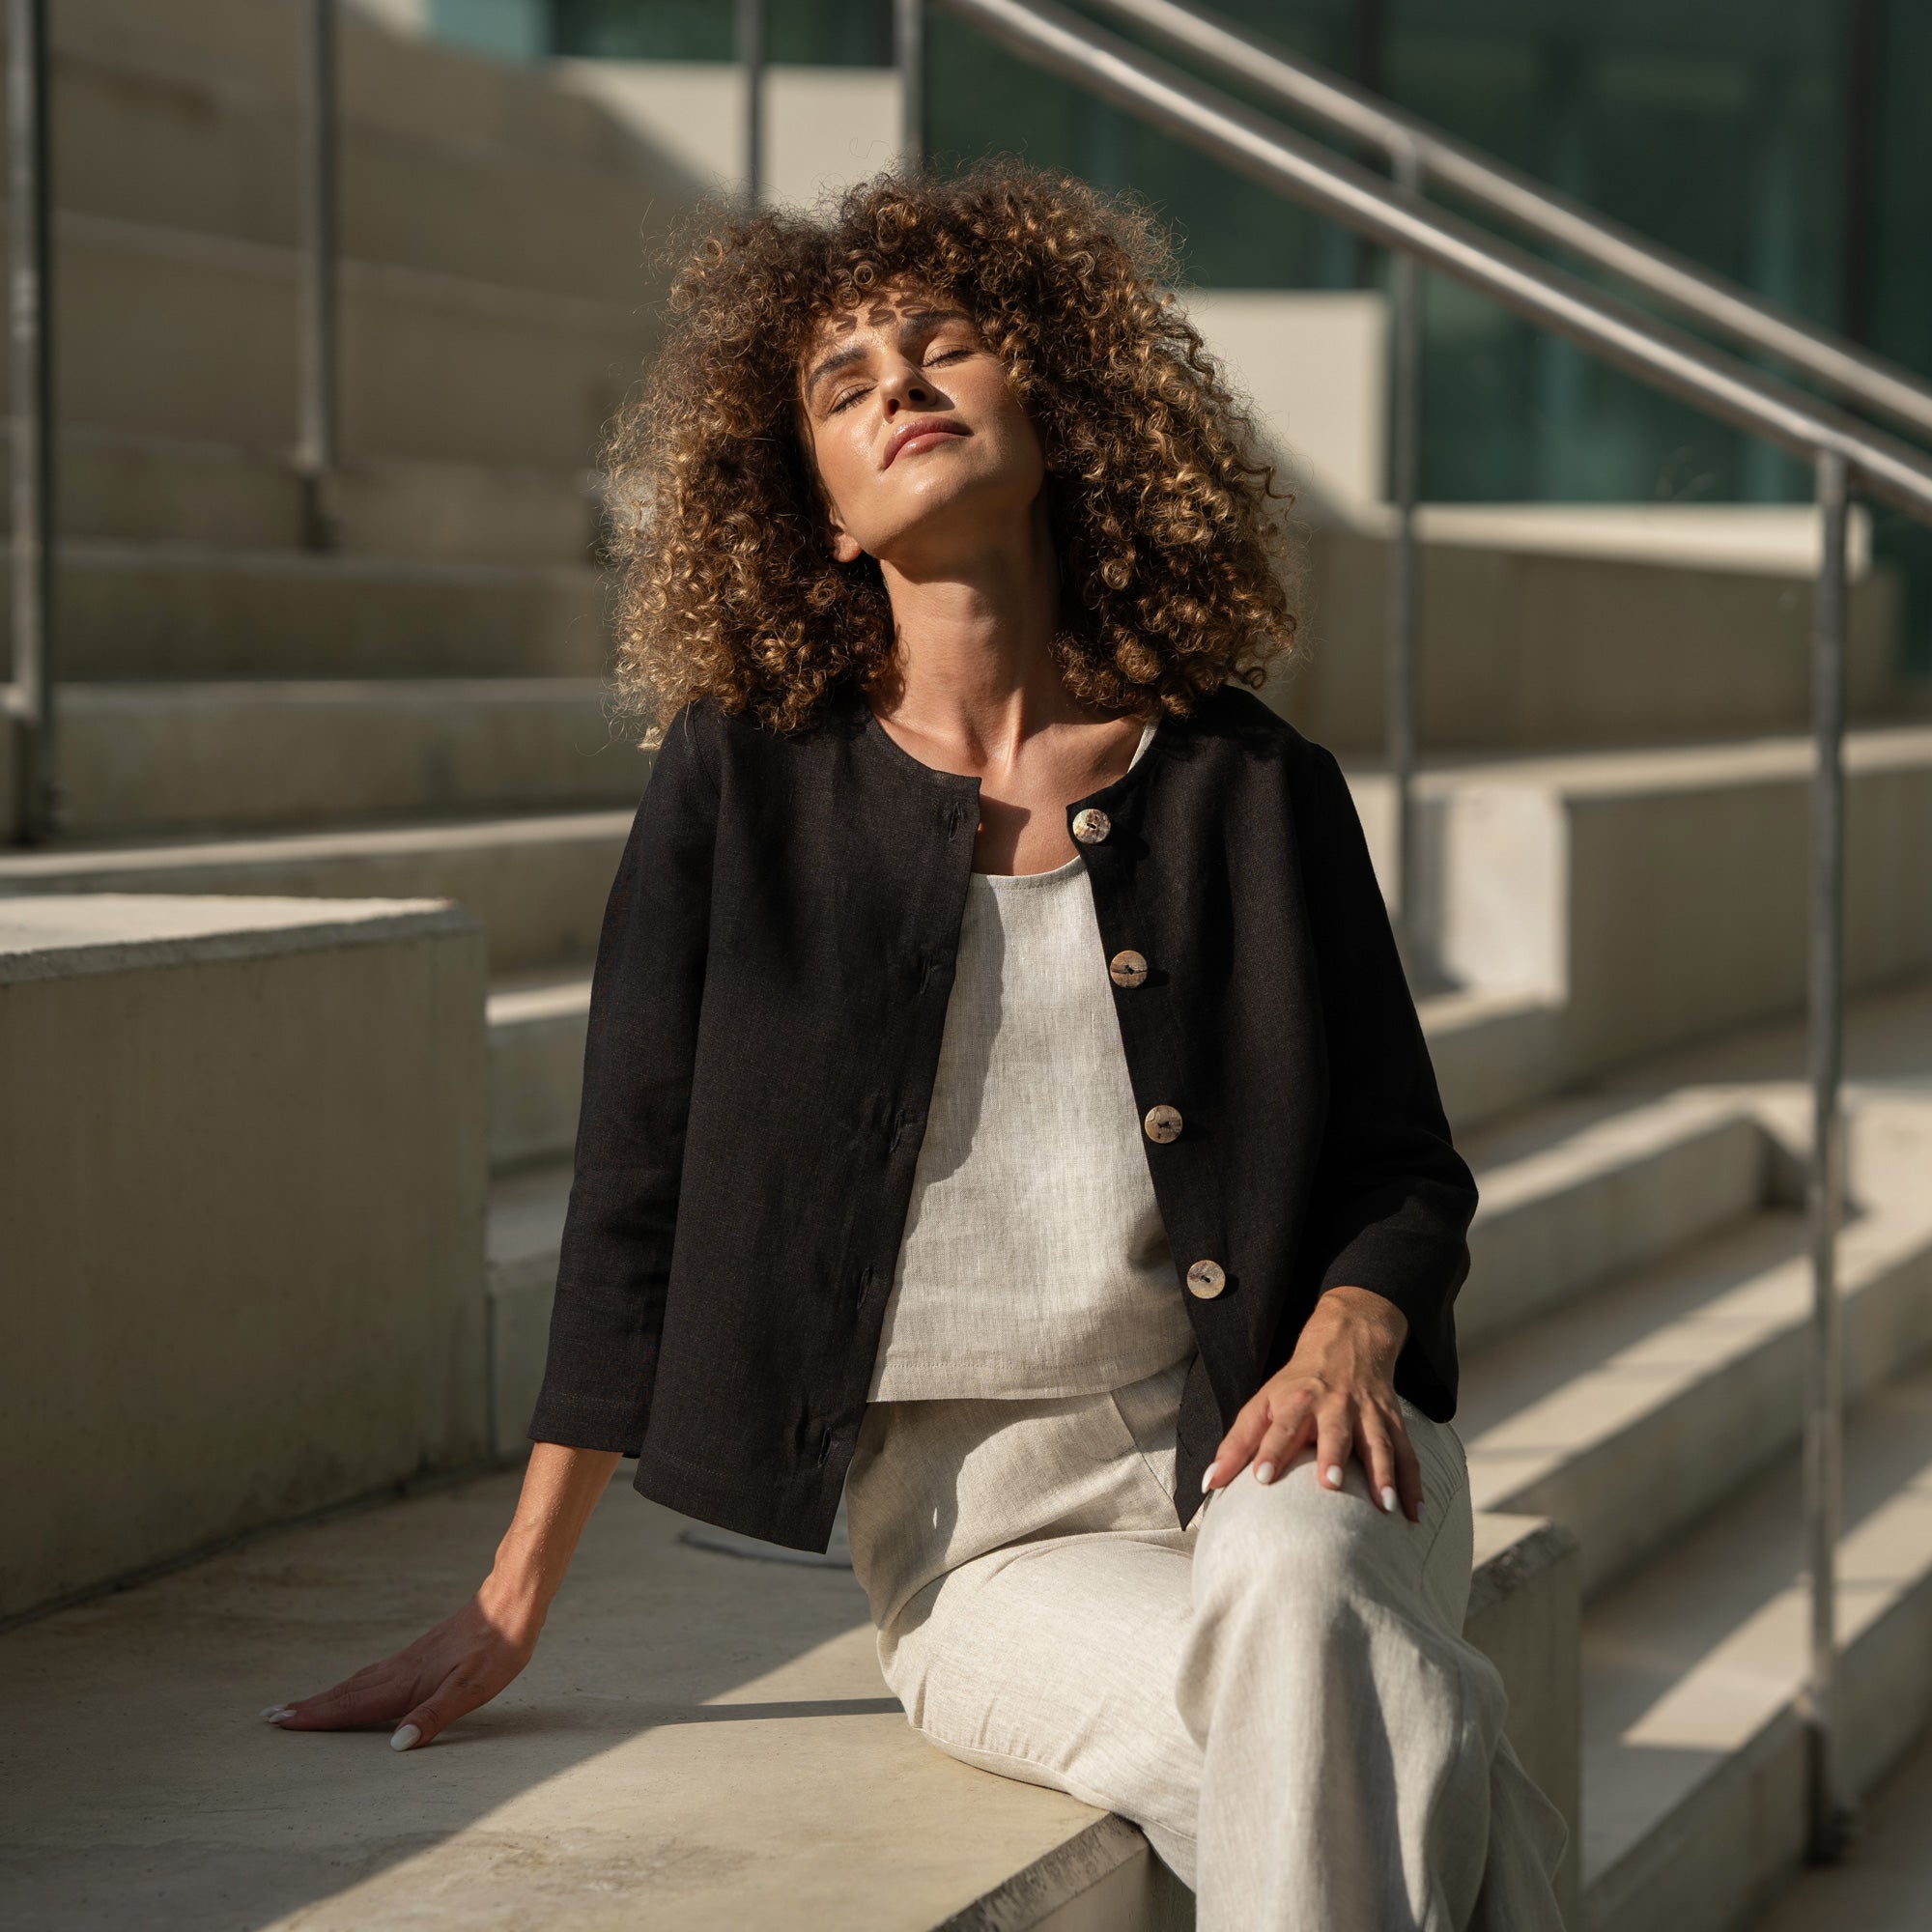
x: 1827, y: 1815
x: 909, y: 55
x: 316, y: 448
x: 1400, y: 695
x: 750, y: 32
x: 30, y: 691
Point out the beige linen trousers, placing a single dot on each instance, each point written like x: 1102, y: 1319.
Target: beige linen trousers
x: 1279, y: 1694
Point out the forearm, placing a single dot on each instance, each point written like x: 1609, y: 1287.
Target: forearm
x: 561, y: 1486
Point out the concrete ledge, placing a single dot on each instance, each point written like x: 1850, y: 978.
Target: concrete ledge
x: 240, y: 1178
x: 538, y: 884
x: 699, y: 1743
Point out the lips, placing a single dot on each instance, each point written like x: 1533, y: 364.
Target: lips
x: 919, y: 426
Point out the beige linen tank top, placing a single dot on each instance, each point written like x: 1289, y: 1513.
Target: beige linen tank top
x: 1034, y: 1261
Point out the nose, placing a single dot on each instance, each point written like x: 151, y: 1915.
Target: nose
x: 907, y: 387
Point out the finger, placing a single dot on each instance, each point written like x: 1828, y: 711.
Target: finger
x: 1238, y: 1446
x: 1290, y: 1429
x: 1334, y: 1435
x: 1378, y: 1454
x: 462, y: 1691
x: 376, y: 1695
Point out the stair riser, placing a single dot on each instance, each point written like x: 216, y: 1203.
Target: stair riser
x: 541, y: 901
x: 169, y: 335
x: 1628, y: 1495
x: 230, y: 757
x: 1533, y: 650
x: 1661, y: 906
x: 140, y: 490
x: 1554, y: 1246
x: 137, y: 614
x: 536, y: 1085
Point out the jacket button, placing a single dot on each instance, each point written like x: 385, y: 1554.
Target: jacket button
x: 1091, y: 825
x: 1162, y: 1124
x: 1205, y: 1279
x: 1127, y: 969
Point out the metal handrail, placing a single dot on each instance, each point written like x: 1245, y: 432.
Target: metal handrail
x: 1842, y: 451
x: 27, y: 701
x: 1622, y: 332
x: 1267, y: 68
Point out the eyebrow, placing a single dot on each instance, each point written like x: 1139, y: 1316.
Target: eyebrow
x: 855, y: 352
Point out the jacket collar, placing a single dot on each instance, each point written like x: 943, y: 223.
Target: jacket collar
x: 880, y: 745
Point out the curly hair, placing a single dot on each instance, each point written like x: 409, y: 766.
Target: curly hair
x: 1171, y: 549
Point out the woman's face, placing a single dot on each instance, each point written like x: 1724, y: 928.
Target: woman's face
x: 920, y: 444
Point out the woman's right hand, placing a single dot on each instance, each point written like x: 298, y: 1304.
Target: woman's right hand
x: 448, y: 1671
x: 468, y: 1658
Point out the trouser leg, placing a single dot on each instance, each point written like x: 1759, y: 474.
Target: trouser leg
x: 1353, y: 1748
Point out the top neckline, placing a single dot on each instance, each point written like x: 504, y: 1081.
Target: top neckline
x: 1019, y: 881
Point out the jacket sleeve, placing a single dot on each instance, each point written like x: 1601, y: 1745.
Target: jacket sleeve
x: 645, y: 990
x: 1393, y: 1200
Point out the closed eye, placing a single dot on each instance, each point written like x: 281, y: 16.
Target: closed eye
x: 850, y: 396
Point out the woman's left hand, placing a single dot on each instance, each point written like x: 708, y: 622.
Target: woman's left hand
x: 1335, y: 1390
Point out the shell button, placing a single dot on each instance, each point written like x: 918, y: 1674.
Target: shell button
x: 1091, y: 825
x: 1162, y: 1124
x: 1206, y: 1280
x: 1127, y: 969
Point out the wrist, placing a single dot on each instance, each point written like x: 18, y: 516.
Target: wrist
x: 1362, y: 1310
x: 516, y: 1595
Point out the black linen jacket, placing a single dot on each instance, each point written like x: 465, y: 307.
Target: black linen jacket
x: 765, y: 1020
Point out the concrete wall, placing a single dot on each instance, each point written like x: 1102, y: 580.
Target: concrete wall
x: 241, y: 1174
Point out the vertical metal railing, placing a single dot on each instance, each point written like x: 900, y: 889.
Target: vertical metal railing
x: 750, y: 34
x: 1401, y: 676
x: 318, y: 325
x: 1827, y: 1813
x: 909, y: 56
x: 30, y: 693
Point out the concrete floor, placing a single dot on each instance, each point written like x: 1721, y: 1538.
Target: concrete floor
x: 701, y: 1742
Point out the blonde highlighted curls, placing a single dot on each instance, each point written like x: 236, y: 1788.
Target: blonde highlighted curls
x: 1170, y: 545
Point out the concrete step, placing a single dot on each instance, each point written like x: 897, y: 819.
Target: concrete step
x: 146, y: 489
x: 536, y: 1028
x: 170, y: 332
x: 1653, y: 898
x: 140, y: 759
x: 1694, y: 1747
x: 192, y: 611
x: 784, y: 1786
x: 469, y: 194
x: 1521, y: 645
x: 390, y: 76
x: 1632, y: 1413
x: 1578, y: 1191
x: 538, y: 884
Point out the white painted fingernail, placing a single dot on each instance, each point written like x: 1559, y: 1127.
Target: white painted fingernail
x: 276, y: 1713
x: 1207, y: 1479
x: 1264, y: 1472
x: 404, y: 1738
x: 1388, y: 1499
x: 1335, y: 1475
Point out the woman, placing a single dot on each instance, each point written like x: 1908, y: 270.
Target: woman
x: 996, y: 1003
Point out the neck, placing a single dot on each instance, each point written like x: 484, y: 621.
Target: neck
x: 973, y: 669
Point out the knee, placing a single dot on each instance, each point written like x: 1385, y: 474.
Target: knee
x: 1290, y: 1545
